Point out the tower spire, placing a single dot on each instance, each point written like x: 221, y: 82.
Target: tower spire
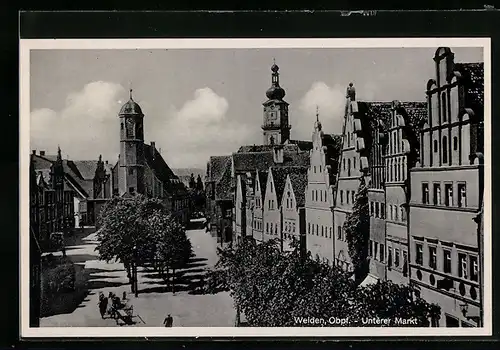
x: 59, y: 153
x: 130, y: 90
x: 317, y: 113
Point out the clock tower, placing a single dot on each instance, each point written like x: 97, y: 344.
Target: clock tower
x: 131, y: 162
x: 276, y: 129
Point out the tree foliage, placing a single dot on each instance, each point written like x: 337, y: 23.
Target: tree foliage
x: 357, y: 231
x: 192, y: 182
x: 278, y: 289
x: 138, y: 231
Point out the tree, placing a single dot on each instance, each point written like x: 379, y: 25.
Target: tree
x: 278, y: 289
x: 199, y: 184
x: 357, y: 229
x: 192, y: 182
x: 173, y: 247
x: 125, y: 233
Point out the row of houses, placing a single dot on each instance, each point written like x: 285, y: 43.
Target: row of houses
x: 422, y: 163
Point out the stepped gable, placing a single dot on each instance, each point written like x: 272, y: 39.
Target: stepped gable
x: 299, y: 183
x: 280, y: 174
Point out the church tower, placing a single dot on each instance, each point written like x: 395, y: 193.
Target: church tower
x: 131, y: 170
x: 276, y: 129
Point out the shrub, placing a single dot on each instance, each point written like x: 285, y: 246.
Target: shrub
x: 61, y: 279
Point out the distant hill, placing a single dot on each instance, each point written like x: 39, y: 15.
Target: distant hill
x: 185, y: 173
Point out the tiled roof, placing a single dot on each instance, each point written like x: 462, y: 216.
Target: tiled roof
x: 254, y: 148
x: 157, y: 164
x: 261, y: 161
x: 217, y: 167
x: 223, y: 185
x: 279, y: 177
x: 86, y: 168
x: 474, y: 82
x: 263, y: 182
x: 299, y: 183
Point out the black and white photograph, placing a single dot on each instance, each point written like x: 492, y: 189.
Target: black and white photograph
x: 226, y: 187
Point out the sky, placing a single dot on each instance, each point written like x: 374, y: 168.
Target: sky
x: 199, y: 102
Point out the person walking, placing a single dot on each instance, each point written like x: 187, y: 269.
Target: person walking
x: 168, y: 321
x: 103, y: 304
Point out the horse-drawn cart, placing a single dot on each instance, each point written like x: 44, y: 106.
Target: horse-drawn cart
x: 121, y: 311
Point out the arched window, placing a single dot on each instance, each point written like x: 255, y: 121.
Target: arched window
x: 455, y: 143
x: 354, y: 163
x: 445, y: 149
x: 399, y: 170
x: 443, y: 106
x: 435, y: 145
x: 348, y: 167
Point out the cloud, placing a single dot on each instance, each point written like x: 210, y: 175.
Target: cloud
x: 88, y: 126
x: 199, y: 129
x: 85, y: 127
x: 330, y: 102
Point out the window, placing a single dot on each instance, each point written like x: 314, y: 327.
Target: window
x: 339, y: 233
x: 382, y: 210
x: 372, y: 208
x: 321, y: 196
x: 121, y: 126
x: 462, y: 265
x: 347, y: 197
x: 396, y: 257
x: 131, y: 171
x: 315, y: 169
x: 425, y: 193
x: 317, y: 230
x: 377, y: 207
x: 443, y: 106
x: 312, y: 195
x: 343, y: 161
x: 382, y: 252
x: 348, y: 167
x: 403, y: 214
x: 320, y: 168
x: 353, y: 196
x: 474, y: 268
x: 376, y: 250
x: 354, y: 163
x: 322, y: 233
x: 331, y: 232
x: 419, y: 258
x: 395, y: 213
x: 405, y: 263
x: 341, y: 197
x: 455, y: 143
x: 437, y: 194
x: 276, y: 229
x: 432, y: 257
x: 445, y: 150
x: 462, y: 195
x: 371, y: 247
x: 446, y: 261
x: 389, y: 258
x: 309, y: 228
x: 449, y: 195
x: 435, y: 145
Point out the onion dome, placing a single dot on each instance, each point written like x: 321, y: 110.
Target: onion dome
x: 130, y: 107
x: 275, y: 92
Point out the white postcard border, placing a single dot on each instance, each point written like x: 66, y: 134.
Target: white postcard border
x: 26, y: 45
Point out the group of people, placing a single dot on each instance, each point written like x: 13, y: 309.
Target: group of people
x: 107, y: 304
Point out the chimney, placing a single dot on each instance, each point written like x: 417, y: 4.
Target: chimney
x: 33, y: 152
x: 42, y: 153
x: 278, y: 154
x: 153, y: 144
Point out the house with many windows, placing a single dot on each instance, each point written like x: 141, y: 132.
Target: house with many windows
x: 447, y: 193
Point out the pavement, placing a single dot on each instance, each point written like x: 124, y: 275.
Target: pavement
x: 154, y: 301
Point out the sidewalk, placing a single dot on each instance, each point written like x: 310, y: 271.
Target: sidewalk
x: 153, y: 302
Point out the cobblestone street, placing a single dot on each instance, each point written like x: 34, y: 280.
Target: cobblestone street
x: 154, y: 302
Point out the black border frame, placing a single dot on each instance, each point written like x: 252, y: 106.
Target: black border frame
x: 204, y: 24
